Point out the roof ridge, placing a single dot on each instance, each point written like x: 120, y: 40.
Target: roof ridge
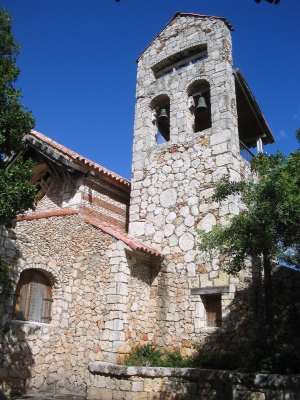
x: 179, y: 13
x: 78, y: 157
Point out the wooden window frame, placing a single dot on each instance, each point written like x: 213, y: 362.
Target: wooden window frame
x: 33, y: 298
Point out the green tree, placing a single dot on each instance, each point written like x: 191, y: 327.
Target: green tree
x: 16, y: 194
x: 269, y: 225
x: 269, y: 1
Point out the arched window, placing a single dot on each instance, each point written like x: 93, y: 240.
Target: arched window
x: 199, y: 104
x: 33, y: 297
x: 160, y: 107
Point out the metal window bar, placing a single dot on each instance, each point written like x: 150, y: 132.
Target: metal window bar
x: 245, y: 152
x: 180, y: 64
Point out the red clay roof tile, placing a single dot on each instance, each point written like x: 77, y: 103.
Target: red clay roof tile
x: 131, y: 242
x: 46, y: 214
x: 77, y: 157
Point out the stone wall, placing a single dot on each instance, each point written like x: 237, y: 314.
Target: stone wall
x: 91, y: 195
x: 114, y: 382
x: 107, y: 203
x: 90, y: 276
x: 174, y: 194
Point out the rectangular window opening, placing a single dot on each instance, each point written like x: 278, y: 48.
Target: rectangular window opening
x: 213, y: 308
x: 180, y: 60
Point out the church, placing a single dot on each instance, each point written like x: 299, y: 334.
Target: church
x: 103, y: 264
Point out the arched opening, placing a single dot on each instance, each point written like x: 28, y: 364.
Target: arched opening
x: 160, y: 107
x: 33, y: 298
x: 200, y: 105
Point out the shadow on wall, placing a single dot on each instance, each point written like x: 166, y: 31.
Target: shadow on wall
x: 16, y: 360
x: 243, y: 321
x: 245, y: 324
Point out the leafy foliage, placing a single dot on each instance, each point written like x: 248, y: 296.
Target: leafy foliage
x: 255, y: 357
x: 5, y: 283
x: 16, y: 194
x: 268, y: 226
x: 14, y: 119
x: 149, y: 356
x: 270, y: 222
x: 269, y: 1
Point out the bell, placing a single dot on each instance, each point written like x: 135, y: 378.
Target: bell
x: 163, y: 115
x: 201, y: 107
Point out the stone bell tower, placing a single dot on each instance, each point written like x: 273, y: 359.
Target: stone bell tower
x: 187, y: 136
x: 180, y: 150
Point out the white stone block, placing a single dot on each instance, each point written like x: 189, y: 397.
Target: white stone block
x: 122, y: 289
x: 149, y: 229
x: 169, y: 229
x: 190, y: 256
x: 76, y: 199
x: 189, y: 221
x: 118, y: 325
x: 207, y: 223
x: 158, y: 221
x: 209, y: 163
x: 180, y: 230
x: 109, y: 325
x: 158, y: 236
x: 186, y: 241
x: 184, y: 211
x: 116, y: 336
x: 219, y: 174
x: 168, y: 198
x: 173, y: 241
x: 137, y: 228
x: 170, y: 217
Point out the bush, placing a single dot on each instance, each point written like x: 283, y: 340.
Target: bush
x: 149, y: 356
x: 256, y: 357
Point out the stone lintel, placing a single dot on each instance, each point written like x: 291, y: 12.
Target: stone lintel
x: 211, y: 290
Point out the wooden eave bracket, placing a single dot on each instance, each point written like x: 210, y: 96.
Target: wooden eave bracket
x: 51, y: 165
x: 69, y: 181
x: 55, y: 157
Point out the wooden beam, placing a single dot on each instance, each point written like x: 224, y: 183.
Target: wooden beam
x: 56, y: 157
x: 210, y: 290
x: 68, y: 180
x: 50, y: 165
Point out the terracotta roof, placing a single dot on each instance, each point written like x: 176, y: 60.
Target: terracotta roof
x: 75, y: 157
x: 47, y: 214
x: 131, y: 242
x: 181, y: 14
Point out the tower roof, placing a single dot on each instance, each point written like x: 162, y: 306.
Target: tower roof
x: 182, y: 14
x: 252, y: 123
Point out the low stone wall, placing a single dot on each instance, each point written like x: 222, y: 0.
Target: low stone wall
x: 118, y: 382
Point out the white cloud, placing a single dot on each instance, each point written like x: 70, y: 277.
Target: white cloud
x: 297, y: 115
x: 281, y: 135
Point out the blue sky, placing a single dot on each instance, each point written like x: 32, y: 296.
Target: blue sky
x: 78, y: 69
